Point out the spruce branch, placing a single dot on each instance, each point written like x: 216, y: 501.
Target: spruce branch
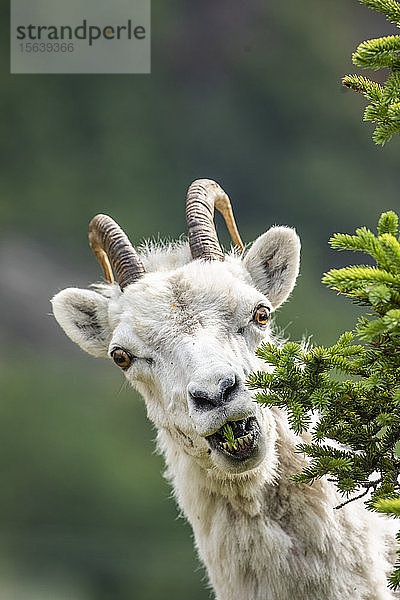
x: 388, y: 222
x: 389, y: 8
x: 388, y: 506
x: 355, y: 440
x: 364, y: 493
x: 349, y: 279
x: 391, y: 248
x: 371, y: 90
x: 383, y: 133
x: 376, y: 112
x: 376, y: 54
x: 391, y: 89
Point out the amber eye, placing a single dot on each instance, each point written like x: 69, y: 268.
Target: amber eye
x: 121, y: 358
x: 261, y: 316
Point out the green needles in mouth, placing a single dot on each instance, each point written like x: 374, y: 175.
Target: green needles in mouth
x: 229, y: 436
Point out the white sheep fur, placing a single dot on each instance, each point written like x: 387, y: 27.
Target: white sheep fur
x: 260, y: 536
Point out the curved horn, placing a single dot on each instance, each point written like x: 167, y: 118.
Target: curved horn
x: 113, y: 250
x: 202, y: 196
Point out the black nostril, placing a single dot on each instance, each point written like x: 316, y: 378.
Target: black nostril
x: 206, y: 396
x: 204, y: 403
x: 227, y: 386
x: 201, y: 399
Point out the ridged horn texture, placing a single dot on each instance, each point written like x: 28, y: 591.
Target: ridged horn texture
x: 113, y: 250
x: 202, y: 197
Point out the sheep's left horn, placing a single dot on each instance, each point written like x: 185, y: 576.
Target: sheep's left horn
x: 202, y: 196
x: 113, y: 250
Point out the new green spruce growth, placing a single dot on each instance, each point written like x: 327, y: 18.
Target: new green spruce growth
x: 229, y: 435
x: 362, y: 412
x: 378, y: 53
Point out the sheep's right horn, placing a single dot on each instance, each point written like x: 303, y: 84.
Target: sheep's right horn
x: 110, y: 245
x: 202, y: 196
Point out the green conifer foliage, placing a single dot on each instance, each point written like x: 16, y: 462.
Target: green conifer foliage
x: 378, y: 53
x: 353, y: 389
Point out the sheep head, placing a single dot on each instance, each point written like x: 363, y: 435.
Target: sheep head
x: 185, y: 336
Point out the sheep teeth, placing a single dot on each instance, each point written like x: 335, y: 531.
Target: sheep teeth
x: 242, y: 442
x: 227, y: 446
x: 245, y: 440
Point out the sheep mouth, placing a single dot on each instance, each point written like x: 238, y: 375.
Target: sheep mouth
x: 243, y: 438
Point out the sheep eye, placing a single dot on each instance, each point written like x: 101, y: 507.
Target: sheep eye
x: 261, y: 316
x: 121, y: 358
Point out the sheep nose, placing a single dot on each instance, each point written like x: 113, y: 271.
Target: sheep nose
x: 206, y: 395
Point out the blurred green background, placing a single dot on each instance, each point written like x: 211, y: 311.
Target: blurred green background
x: 247, y: 93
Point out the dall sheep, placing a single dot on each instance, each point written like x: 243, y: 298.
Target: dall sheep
x: 183, y: 325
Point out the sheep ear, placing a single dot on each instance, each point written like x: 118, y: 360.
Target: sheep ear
x: 273, y: 263
x: 83, y: 314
